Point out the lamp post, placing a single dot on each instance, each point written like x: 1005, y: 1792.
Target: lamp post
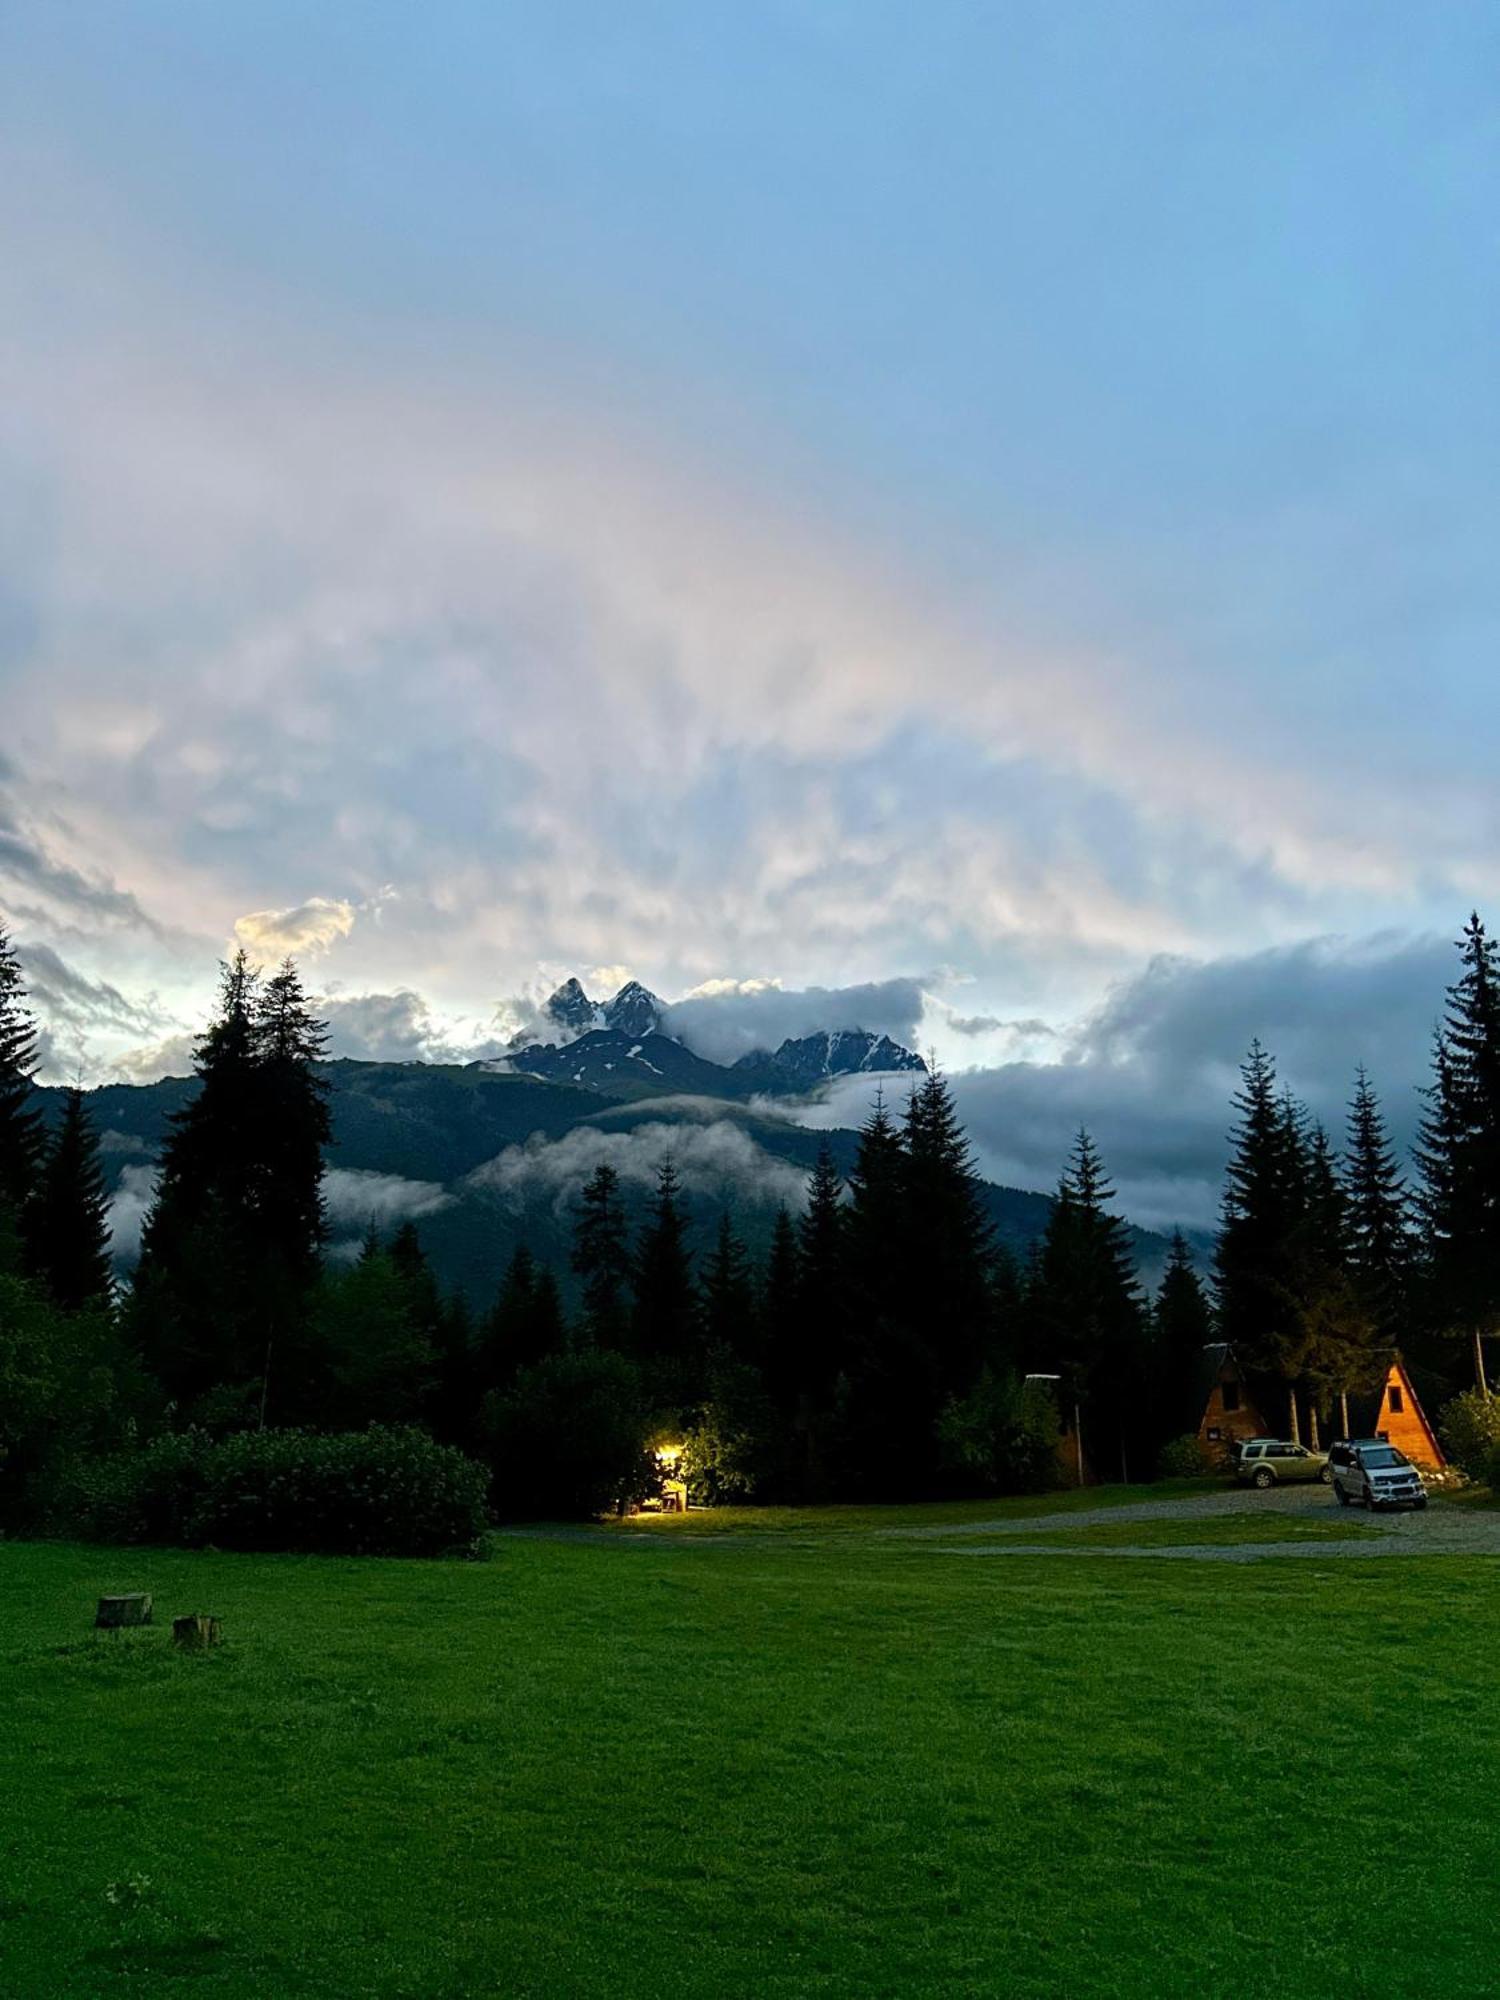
x: 1077, y: 1421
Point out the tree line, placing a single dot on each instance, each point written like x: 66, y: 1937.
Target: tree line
x: 885, y: 1345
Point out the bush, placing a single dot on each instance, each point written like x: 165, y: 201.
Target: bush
x: 67, y: 1393
x: 383, y: 1491
x: 1492, y: 1471
x: 569, y: 1440
x: 729, y: 1448
x: 1001, y: 1438
x: 1181, y: 1459
x: 1469, y: 1428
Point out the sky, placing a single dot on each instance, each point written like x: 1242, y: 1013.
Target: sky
x: 992, y: 507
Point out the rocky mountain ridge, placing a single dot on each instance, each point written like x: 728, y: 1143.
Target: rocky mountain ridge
x: 623, y: 1047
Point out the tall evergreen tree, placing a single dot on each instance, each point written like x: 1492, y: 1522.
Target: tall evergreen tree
x: 1091, y: 1315
x: 231, y: 1249
x: 1183, y: 1325
x: 947, y: 1297
x: 66, y: 1223
x: 20, y: 1125
x: 665, y: 1321
x: 1459, y: 1150
x: 1265, y: 1206
x: 290, y: 1220
x: 886, y: 1394
x: 195, y: 1298
x: 729, y: 1317
x: 1377, y: 1211
x: 525, y: 1324
x: 779, y: 1345
x: 822, y: 1306
x: 601, y: 1260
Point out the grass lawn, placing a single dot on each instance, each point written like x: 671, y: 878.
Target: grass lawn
x: 757, y: 1766
x: 934, y: 1514
x: 1227, y: 1531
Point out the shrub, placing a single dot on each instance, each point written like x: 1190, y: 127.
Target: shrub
x: 1492, y: 1471
x: 1001, y: 1438
x: 729, y: 1448
x: 569, y: 1439
x: 1469, y: 1427
x: 383, y: 1491
x: 1181, y: 1459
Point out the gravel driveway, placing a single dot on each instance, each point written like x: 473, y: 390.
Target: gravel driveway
x: 1440, y: 1530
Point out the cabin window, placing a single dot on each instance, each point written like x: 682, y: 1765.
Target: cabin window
x: 1231, y: 1395
x: 1395, y: 1397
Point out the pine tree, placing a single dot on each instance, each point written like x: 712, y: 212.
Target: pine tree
x: 878, y: 1441
x: 1089, y: 1309
x: 1265, y: 1205
x: 601, y: 1260
x: 525, y: 1324
x: 362, y: 1359
x: 290, y: 1220
x: 1377, y: 1209
x: 947, y: 1299
x: 20, y: 1124
x: 195, y: 1304
x: 66, y: 1223
x: 232, y: 1247
x: 822, y: 1304
x: 1183, y: 1326
x: 1459, y: 1150
x: 729, y: 1317
x: 779, y: 1343
x: 664, y: 1322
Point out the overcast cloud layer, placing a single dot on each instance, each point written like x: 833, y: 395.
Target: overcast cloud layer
x: 979, y: 522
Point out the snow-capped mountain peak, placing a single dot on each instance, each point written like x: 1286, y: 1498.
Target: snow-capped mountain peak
x: 634, y: 1011
x: 571, y: 1008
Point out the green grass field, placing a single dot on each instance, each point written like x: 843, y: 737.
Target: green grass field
x: 784, y: 1764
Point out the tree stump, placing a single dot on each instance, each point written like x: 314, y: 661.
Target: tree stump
x: 114, y: 1612
x: 195, y: 1634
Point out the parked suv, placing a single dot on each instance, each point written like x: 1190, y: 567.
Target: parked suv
x: 1275, y: 1462
x: 1372, y: 1473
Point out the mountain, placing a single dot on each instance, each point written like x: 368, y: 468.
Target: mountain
x: 618, y: 1064
x: 634, y: 1011
x: 622, y: 1048
x: 484, y: 1158
x: 815, y: 1059
x: 572, y: 1010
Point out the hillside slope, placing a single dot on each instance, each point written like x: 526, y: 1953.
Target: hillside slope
x: 484, y: 1159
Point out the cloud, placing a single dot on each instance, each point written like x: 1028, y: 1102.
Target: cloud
x: 71, y: 1009
x: 401, y: 1027
x: 726, y: 1019
x: 1152, y: 1070
x: 379, y: 1027
x: 172, y: 1056
x: 129, y: 1206
x: 357, y: 1198
x: 302, y: 601
x: 27, y: 860
x: 304, y: 931
x: 717, y: 1159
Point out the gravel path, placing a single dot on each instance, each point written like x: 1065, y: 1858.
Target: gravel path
x: 1439, y: 1530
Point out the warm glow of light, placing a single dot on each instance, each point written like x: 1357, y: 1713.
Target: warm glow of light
x: 667, y: 1455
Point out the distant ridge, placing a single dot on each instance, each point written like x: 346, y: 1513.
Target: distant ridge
x: 623, y: 1048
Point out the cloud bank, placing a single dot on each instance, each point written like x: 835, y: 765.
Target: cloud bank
x: 719, y: 1160
x: 1151, y: 1072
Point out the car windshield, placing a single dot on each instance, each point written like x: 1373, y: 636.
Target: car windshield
x: 1386, y: 1456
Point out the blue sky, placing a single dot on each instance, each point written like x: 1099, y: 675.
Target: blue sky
x: 978, y: 498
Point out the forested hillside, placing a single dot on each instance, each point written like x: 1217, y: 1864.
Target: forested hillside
x: 437, y: 1130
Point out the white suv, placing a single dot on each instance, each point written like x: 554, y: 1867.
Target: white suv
x: 1371, y: 1473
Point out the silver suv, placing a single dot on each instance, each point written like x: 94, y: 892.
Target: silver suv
x: 1277, y: 1461
x: 1368, y: 1472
